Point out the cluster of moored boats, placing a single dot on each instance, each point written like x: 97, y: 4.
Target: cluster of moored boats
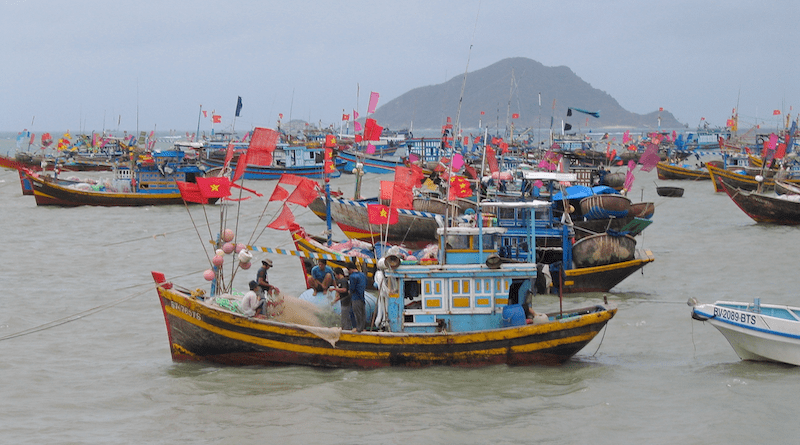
x: 454, y: 249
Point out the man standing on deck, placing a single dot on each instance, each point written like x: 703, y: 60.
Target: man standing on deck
x: 358, y: 284
x: 263, y: 279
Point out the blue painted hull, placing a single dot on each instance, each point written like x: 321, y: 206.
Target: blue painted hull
x: 372, y: 164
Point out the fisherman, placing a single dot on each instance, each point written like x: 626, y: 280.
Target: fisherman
x: 263, y: 279
x: 252, y: 305
x: 358, y: 284
x: 321, y: 277
x: 342, y: 288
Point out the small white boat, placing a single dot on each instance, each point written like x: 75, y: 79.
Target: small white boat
x: 762, y: 332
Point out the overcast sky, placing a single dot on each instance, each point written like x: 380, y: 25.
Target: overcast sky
x: 91, y: 64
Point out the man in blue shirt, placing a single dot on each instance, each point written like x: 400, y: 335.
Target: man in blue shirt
x: 321, y: 276
x: 358, y: 284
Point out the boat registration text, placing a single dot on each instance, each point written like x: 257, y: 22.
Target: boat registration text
x: 738, y: 317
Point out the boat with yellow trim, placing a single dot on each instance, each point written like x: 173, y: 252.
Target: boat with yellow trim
x: 469, y: 309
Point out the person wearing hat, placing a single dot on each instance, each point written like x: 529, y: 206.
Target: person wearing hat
x: 358, y: 284
x: 263, y: 280
x: 321, y: 276
x: 252, y: 305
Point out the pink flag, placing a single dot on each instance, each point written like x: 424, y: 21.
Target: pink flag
x: 458, y: 162
x: 373, y: 102
x: 629, y: 177
x: 370, y: 149
x: 626, y: 137
x: 357, y: 126
x: 650, y: 157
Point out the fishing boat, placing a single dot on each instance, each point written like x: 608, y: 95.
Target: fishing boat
x: 461, y: 312
x: 756, y: 331
x: 414, y: 229
x: 298, y: 160
x: 763, y: 180
x: 370, y: 163
x: 151, y: 182
x: 765, y: 208
x: 668, y: 170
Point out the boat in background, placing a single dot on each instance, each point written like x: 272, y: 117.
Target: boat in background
x: 151, y: 181
x: 298, y: 160
x: 756, y: 331
x: 758, y: 179
x: 786, y: 188
x: 669, y: 192
x: 668, y: 170
x: 765, y: 208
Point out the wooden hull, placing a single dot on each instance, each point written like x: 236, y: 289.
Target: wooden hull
x: 743, y: 182
x: 199, y: 332
x: 763, y: 208
x: 604, y: 278
x: 48, y: 193
x: 605, y: 206
x: 668, y: 171
x: 786, y: 188
x: 256, y: 172
x: 413, y: 229
x: 307, y: 245
x: 34, y: 163
x: 643, y: 209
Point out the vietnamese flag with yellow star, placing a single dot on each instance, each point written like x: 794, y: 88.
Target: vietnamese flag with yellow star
x: 459, y: 187
x: 381, y: 214
x: 214, y: 187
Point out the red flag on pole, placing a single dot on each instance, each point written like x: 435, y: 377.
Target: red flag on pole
x: 216, y: 118
x: 262, y: 144
x: 284, y: 221
x: 380, y: 214
x: 214, y: 187
x: 402, y: 195
x: 241, y: 165
x: 491, y: 159
x: 304, y: 194
x: 190, y: 192
x: 372, y: 131
x: 279, y: 194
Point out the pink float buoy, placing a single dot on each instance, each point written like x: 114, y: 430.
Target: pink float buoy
x: 227, y: 235
x: 218, y: 260
x: 245, y: 266
x: 208, y: 274
x: 227, y: 248
x: 240, y: 247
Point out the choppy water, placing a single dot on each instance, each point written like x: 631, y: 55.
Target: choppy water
x: 106, y: 376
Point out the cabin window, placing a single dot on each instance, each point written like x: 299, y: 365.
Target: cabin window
x: 457, y: 242
x: 411, y: 289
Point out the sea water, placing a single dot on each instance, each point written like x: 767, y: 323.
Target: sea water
x: 93, y: 364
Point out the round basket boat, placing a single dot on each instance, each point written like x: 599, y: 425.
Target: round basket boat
x: 670, y: 192
x: 605, y: 206
x: 643, y: 209
x: 603, y: 249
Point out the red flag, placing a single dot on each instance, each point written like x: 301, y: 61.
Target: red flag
x: 216, y: 118
x: 329, y: 166
x: 241, y: 165
x: 387, y: 187
x: 345, y: 117
x: 279, y: 194
x: 491, y: 160
x: 190, y: 192
x: 372, y: 131
x: 228, y: 155
x: 402, y: 195
x: 469, y: 170
x: 304, y: 193
x: 214, y: 187
x: 459, y: 187
x: 380, y: 214
x: 776, y: 112
x: 330, y: 140
x: 262, y: 144
x: 515, y: 116
x: 284, y: 221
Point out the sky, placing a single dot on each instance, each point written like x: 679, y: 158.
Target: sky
x: 94, y: 65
